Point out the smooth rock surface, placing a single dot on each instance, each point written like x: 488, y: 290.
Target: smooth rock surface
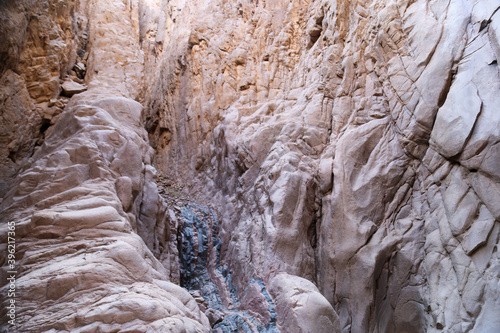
x: 300, y: 306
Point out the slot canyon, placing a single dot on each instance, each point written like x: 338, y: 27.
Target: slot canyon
x: 293, y: 166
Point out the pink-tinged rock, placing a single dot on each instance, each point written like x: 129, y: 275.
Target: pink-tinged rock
x: 70, y: 88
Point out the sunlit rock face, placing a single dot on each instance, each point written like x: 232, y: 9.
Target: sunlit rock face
x: 258, y: 166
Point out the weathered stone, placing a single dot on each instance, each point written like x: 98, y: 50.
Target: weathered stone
x: 478, y: 233
x: 20, y: 126
x: 83, y: 266
x: 300, y: 306
x: 80, y: 70
x: 352, y: 146
x: 124, y: 191
x: 70, y: 88
x: 455, y: 119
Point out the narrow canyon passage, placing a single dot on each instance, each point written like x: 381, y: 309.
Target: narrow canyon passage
x: 249, y: 166
x: 201, y: 270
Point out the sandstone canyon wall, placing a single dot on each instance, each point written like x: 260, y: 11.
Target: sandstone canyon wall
x: 297, y: 166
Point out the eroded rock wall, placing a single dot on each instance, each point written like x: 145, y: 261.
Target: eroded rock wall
x: 350, y: 143
x: 40, y: 41
x: 83, y: 195
x: 348, y: 148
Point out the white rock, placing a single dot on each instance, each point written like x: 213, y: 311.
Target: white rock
x: 455, y: 119
x: 300, y: 307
